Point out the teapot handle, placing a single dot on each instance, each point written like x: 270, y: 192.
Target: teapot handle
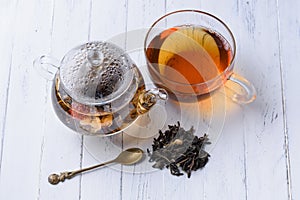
x: 148, y: 98
x: 46, y: 66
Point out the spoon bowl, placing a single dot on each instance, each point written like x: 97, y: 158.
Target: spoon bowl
x: 129, y: 156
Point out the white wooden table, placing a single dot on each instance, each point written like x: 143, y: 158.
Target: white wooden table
x: 256, y: 156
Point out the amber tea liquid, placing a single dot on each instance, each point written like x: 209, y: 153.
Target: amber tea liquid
x: 181, y: 58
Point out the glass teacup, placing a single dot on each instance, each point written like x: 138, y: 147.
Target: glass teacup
x: 191, y: 53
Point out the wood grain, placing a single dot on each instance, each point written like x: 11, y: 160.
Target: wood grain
x: 289, y: 37
x: 141, y: 15
x: 256, y: 156
x: 7, y: 16
x: 263, y: 122
x: 25, y: 118
x: 106, y: 20
x: 62, y: 148
x: 228, y: 158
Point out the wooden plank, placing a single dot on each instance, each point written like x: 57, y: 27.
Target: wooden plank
x: 25, y: 119
x: 225, y: 173
x: 264, y: 166
x: 289, y: 27
x: 264, y: 161
x: 173, y: 5
x: 263, y: 123
x: 245, y: 135
x: 182, y: 187
x: 217, y: 178
x: 107, y: 19
x: 62, y: 148
x: 143, y: 182
x: 7, y: 16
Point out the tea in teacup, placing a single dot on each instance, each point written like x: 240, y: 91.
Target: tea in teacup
x: 186, y: 56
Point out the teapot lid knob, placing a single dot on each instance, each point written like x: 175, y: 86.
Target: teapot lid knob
x: 95, y: 58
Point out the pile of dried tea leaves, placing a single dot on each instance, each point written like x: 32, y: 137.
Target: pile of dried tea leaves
x: 178, y: 149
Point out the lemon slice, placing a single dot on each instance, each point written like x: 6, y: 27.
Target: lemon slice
x: 195, y: 40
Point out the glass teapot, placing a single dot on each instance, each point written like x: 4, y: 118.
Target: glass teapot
x: 97, y: 89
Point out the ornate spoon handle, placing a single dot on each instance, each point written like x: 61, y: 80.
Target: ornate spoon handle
x: 55, y: 178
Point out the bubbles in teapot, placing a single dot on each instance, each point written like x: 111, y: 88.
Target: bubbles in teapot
x: 110, y: 80
x: 97, y: 71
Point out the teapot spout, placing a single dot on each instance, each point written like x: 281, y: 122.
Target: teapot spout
x: 149, y: 98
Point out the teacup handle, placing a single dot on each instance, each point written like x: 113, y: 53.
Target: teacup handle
x: 46, y: 66
x: 249, y: 92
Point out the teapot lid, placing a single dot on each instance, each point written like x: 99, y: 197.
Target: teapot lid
x: 96, y: 73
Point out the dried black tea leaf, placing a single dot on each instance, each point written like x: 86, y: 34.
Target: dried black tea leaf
x: 178, y: 149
